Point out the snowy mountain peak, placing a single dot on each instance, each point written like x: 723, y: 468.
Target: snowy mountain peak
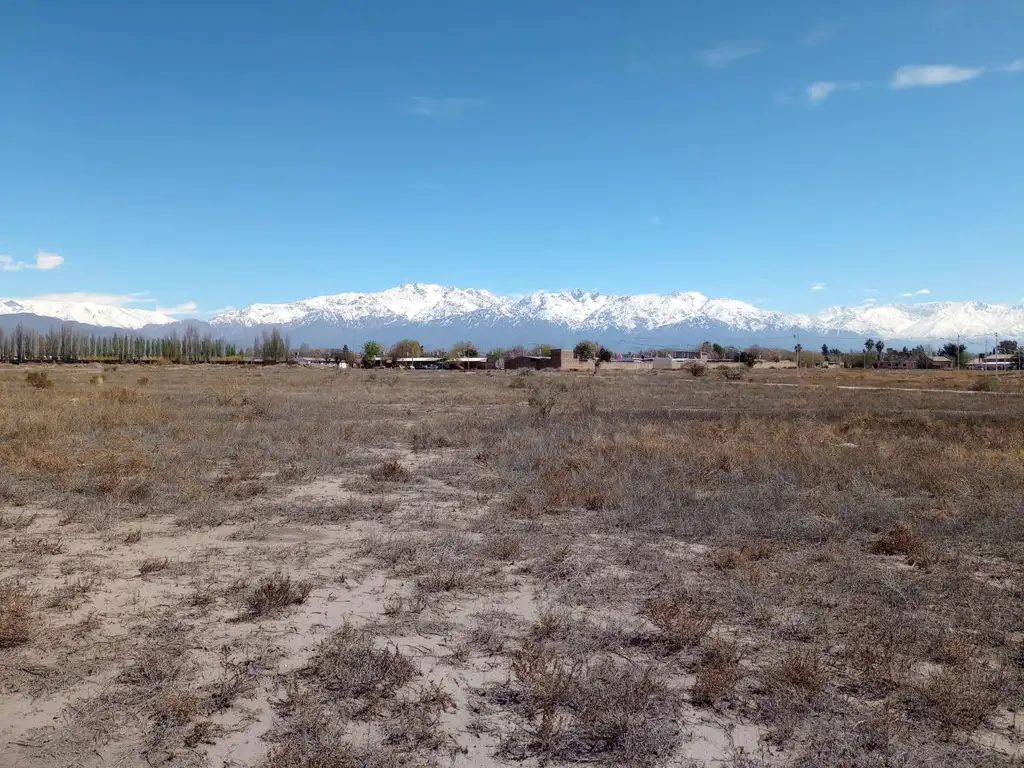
x: 582, y: 311
x: 86, y: 313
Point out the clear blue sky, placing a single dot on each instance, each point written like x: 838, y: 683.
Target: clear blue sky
x: 227, y: 153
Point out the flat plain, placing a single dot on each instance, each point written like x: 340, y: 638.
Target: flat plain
x: 284, y: 567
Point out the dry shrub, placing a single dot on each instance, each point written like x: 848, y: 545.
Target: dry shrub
x: 982, y: 384
x: 39, y: 379
x: 68, y: 595
x: 609, y: 711
x: 415, y: 724
x: 143, y: 381
x: 17, y: 620
x: 957, y: 697
x: 391, y: 550
x: 544, y: 396
x: 728, y: 559
x: 96, y: 380
x: 731, y: 374
x: 445, y: 574
x: 122, y: 396
x: 902, y: 540
x: 274, y: 593
x: 109, y: 368
x: 697, y: 370
x: 175, y: 706
x: 132, y: 537
x: 16, y: 523
x: 153, y: 565
x: 719, y: 672
x: 390, y: 471
x: 349, y: 665
x: 799, y: 674
x: 37, y: 545
x: 682, y: 622
x: 507, y: 547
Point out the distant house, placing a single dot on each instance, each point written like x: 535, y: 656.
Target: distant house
x: 896, y: 362
x: 993, y: 363
x: 536, y: 362
x: 939, y: 362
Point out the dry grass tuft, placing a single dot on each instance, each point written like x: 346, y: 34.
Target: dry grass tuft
x: 799, y: 673
x: 274, y: 593
x: 133, y: 536
x: 902, y: 540
x: 17, y: 619
x: 39, y: 379
x: 718, y: 673
x: 96, y: 380
x: 682, y: 622
x: 349, y: 665
x: 390, y: 471
x: 606, y: 711
x: 37, y: 545
x: 153, y: 565
x: 957, y: 697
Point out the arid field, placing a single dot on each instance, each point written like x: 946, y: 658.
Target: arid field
x: 285, y: 567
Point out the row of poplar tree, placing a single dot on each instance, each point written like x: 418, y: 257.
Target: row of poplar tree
x: 68, y: 345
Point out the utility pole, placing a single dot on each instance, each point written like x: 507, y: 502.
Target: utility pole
x: 958, y: 353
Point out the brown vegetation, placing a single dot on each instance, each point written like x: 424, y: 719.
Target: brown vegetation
x: 612, y: 569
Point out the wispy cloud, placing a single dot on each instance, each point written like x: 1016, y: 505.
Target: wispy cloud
x: 820, y: 34
x: 821, y: 90
x: 728, y: 53
x: 436, y: 107
x: 872, y: 291
x: 932, y: 75
x: 918, y: 292
x: 818, y: 286
x: 186, y: 308
x: 44, y: 261
x: 1014, y: 66
x: 869, y: 301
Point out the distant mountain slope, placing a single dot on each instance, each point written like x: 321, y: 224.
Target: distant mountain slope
x: 99, y: 315
x: 439, y: 315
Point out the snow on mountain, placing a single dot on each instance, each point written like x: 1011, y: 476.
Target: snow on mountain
x: 441, y: 311
x: 89, y: 314
x: 416, y: 302
x: 583, y: 311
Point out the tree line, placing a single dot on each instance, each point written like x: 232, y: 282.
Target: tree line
x: 65, y: 344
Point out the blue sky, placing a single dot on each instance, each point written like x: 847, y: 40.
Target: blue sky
x: 201, y: 155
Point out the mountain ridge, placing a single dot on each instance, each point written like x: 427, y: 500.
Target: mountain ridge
x: 439, y: 315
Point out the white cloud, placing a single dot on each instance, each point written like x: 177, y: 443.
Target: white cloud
x: 869, y: 301
x: 918, y: 292
x: 443, y: 106
x: 44, y: 261
x: 1014, y: 66
x: 931, y: 75
x: 818, y: 286
x: 821, y: 90
x: 820, y: 34
x: 726, y: 54
x: 187, y: 308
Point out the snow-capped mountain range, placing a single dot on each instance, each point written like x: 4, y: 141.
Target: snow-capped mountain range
x: 440, y: 315
x: 101, y: 315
